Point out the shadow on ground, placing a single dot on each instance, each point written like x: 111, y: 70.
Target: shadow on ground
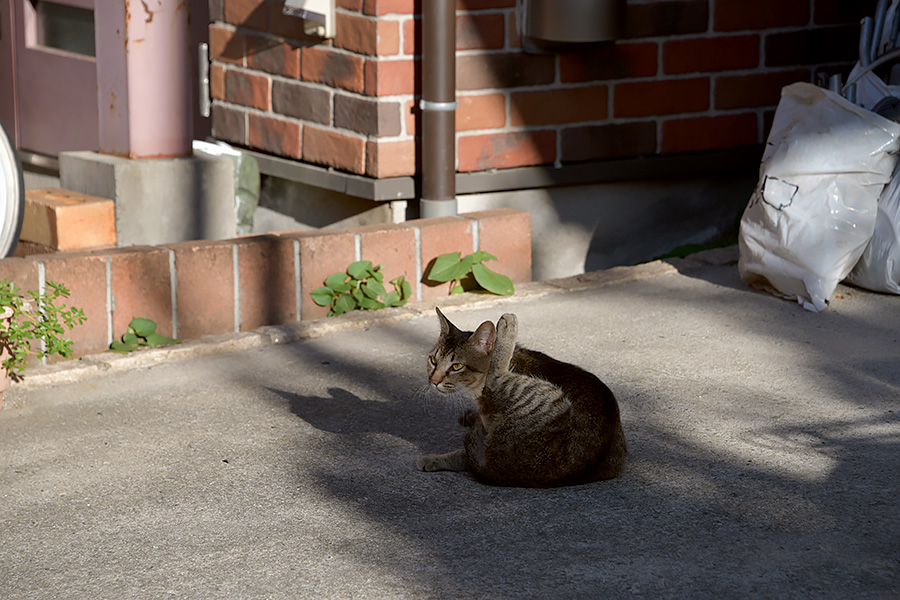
x: 764, y: 445
x: 763, y: 453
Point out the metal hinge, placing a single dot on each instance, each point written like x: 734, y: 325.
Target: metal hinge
x: 203, y: 71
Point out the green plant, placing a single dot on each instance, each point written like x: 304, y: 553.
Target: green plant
x: 29, y: 316
x: 141, y: 332
x: 461, y: 270
x: 361, y: 286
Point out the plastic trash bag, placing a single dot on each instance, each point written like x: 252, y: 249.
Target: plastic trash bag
x: 813, y: 210
x: 878, y: 268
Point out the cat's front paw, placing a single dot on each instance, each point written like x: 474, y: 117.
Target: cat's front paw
x: 507, y: 325
x: 428, y: 463
x: 452, y: 461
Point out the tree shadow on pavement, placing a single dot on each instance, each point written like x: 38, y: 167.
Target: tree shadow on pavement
x: 763, y: 453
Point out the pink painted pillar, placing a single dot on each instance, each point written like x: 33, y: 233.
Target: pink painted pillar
x: 143, y: 78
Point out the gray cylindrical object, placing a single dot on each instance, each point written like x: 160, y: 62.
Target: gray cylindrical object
x: 574, y: 21
x: 438, y: 108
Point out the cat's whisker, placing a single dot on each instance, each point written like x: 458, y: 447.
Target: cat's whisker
x: 420, y: 395
x: 425, y: 399
x: 458, y: 402
x: 433, y: 402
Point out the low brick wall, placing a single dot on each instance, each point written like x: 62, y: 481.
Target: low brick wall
x: 192, y: 289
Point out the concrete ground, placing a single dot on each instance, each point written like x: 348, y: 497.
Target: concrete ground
x: 764, y: 458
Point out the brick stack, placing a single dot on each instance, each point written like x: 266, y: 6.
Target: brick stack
x: 689, y: 75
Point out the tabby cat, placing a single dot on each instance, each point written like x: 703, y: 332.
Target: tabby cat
x: 540, y: 422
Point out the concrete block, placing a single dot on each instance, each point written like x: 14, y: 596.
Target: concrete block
x: 158, y: 201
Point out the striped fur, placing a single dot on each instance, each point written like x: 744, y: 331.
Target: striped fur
x: 540, y: 422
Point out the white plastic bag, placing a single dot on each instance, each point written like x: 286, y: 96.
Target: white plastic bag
x: 878, y: 268
x: 813, y: 210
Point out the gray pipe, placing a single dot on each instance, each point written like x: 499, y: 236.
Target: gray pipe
x: 865, y: 41
x: 895, y: 29
x: 878, y: 30
x: 438, y: 106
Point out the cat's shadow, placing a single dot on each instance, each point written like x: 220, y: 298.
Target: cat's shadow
x: 343, y: 412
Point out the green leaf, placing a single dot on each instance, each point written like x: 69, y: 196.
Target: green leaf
x: 344, y: 303
x: 122, y: 347
x: 142, y: 327
x: 338, y: 282
x: 359, y: 269
x: 446, y: 260
x: 131, y: 339
x: 322, y: 296
x: 492, y: 282
x: 482, y: 256
x: 373, y: 289
x: 405, y: 292
x: 450, y: 266
x: 156, y: 339
x: 458, y: 289
x: 378, y: 276
x: 368, y: 303
x: 392, y: 299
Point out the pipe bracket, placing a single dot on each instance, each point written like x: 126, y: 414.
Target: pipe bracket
x: 438, y: 106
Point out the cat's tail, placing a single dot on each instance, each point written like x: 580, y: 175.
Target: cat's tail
x: 505, y: 345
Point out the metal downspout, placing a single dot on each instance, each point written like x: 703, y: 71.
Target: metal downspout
x: 438, y: 106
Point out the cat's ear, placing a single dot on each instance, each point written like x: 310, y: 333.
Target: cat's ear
x: 446, y: 326
x: 483, y: 339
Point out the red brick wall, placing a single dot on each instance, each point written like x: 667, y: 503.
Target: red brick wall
x: 688, y: 75
x: 192, y: 289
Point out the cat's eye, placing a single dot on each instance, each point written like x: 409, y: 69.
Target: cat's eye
x: 431, y: 360
x: 456, y: 367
